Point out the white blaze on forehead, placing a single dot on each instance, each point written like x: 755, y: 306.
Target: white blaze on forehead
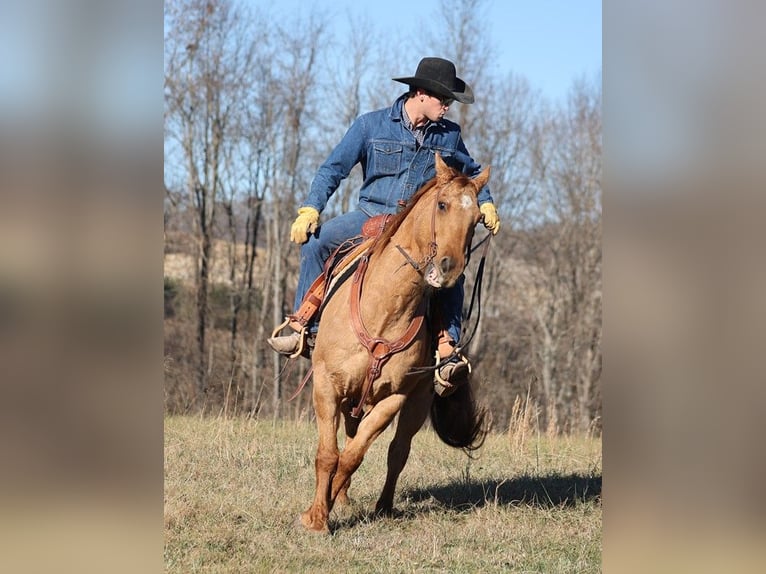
x: 466, y: 201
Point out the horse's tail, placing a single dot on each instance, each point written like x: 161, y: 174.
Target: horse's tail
x: 459, y: 420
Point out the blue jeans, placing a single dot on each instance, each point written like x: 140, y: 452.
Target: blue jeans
x: 330, y: 235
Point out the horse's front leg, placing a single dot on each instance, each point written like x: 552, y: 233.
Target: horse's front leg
x: 412, y: 417
x: 326, y: 406
x: 374, y: 423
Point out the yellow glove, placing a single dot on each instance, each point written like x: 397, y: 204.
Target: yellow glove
x: 491, y: 219
x: 305, y: 223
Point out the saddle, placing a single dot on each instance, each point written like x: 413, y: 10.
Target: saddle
x: 341, y: 262
x: 375, y: 225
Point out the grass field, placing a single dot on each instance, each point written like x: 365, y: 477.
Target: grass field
x: 233, y: 488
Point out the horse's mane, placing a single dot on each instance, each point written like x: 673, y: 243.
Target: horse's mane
x: 396, y: 221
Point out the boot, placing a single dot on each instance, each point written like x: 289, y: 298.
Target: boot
x: 450, y: 376
x: 286, y: 344
x: 454, y: 373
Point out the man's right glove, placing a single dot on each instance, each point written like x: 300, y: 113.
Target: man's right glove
x: 305, y: 223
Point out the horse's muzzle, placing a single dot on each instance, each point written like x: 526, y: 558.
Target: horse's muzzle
x: 433, y: 276
x: 441, y: 275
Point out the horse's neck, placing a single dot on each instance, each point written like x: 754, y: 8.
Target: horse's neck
x: 393, y: 286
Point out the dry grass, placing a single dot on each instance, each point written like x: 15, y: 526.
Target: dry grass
x: 233, y: 488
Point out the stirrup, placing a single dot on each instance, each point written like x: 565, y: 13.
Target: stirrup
x: 301, y: 340
x: 442, y: 387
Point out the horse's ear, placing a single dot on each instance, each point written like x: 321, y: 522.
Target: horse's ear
x: 481, y: 180
x: 443, y: 171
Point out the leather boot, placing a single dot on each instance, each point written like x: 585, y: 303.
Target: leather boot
x: 452, y: 375
x: 455, y: 372
x: 286, y: 344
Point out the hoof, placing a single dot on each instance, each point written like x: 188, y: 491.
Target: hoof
x: 304, y: 522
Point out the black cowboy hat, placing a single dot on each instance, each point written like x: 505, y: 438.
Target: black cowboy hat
x: 438, y: 76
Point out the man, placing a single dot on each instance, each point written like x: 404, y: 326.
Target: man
x: 396, y: 147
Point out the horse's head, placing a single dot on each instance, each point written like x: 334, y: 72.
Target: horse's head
x: 452, y: 212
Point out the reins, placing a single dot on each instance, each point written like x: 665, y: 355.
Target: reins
x: 475, y: 294
x: 475, y: 298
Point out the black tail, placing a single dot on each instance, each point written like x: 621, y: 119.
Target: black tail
x: 459, y: 420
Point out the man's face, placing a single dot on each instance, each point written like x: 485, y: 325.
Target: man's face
x: 435, y: 106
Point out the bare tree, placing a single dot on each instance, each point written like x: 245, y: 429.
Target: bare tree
x: 295, y: 67
x: 260, y: 170
x: 346, y: 93
x: 462, y: 38
x: 206, y: 58
x: 566, y: 250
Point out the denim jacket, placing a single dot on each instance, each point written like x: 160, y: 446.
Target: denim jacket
x: 393, y: 169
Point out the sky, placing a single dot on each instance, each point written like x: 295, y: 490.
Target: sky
x: 550, y: 42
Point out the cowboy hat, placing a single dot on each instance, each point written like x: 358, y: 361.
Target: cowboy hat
x: 438, y: 76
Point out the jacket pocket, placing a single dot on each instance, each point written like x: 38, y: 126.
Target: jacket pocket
x: 388, y: 157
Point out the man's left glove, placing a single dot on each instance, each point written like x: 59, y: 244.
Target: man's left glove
x: 491, y: 219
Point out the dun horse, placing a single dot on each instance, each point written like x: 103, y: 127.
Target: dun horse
x: 382, y: 339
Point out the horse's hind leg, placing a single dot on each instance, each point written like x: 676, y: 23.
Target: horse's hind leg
x: 327, y: 411
x: 412, y: 417
x: 342, y: 497
x: 351, y: 426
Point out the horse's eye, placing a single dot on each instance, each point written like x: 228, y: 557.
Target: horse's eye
x: 442, y: 206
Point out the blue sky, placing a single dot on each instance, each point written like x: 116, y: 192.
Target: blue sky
x: 550, y: 42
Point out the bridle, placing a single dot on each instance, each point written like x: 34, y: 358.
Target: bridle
x: 476, y: 292
x: 432, y: 247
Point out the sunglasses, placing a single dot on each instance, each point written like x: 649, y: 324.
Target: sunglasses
x: 446, y: 102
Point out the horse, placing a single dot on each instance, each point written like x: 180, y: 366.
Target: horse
x: 423, y: 248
